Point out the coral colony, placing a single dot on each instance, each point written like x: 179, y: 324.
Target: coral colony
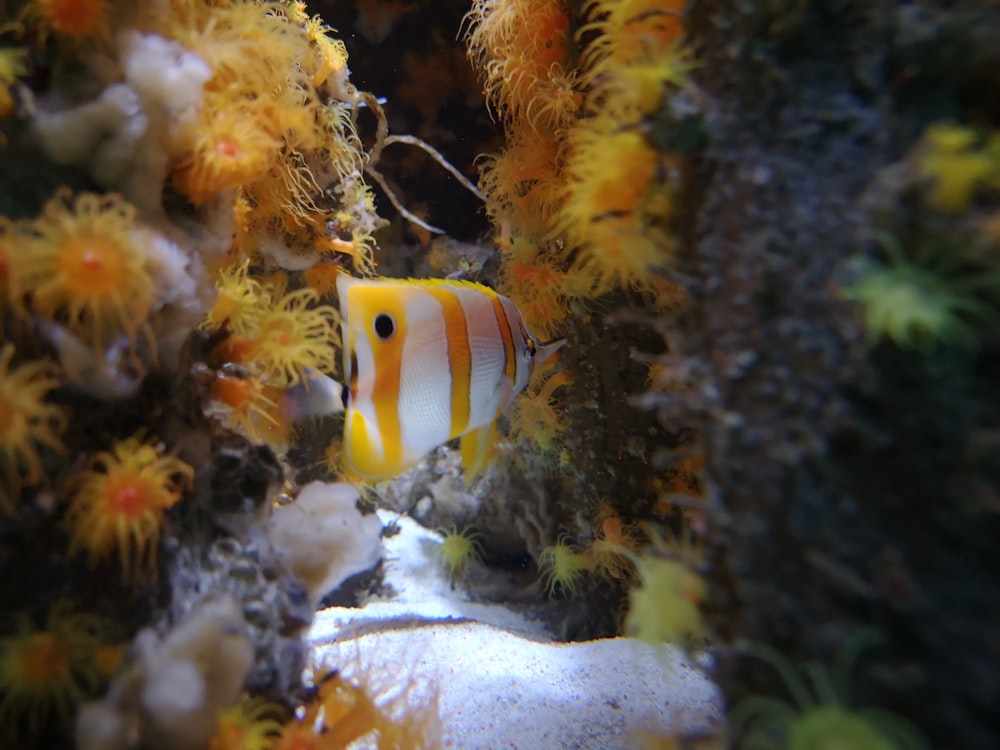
x: 187, y: 180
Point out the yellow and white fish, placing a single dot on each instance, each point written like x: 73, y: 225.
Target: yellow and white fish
x: 425, y: 362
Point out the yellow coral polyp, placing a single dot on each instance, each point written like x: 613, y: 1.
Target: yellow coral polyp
x: 82, y: 265
x: 956, y: 164
x: 458, y: 549
x: 27, y: 420
x: 120, y: 501
x: 665, y: 605
x: 48, y: 671
x: 612, y: 212
x: 625, y: 31
x: 229, y: 148
x: 563, y: 567
x: 520, y: 47
x: 255, y: 409
x: 12, y: 66
x: 294, y: 336
x: 249, y: 725
x: 237, y: 305
x: 331, y: 53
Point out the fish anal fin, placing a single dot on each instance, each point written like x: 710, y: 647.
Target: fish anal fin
x: 477, y: 448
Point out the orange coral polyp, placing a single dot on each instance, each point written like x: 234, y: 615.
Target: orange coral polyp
x: 119, y: 503
x: 90, y: 259
x: 48, y: 670
x: 26, y: 418
x: 72, y: 18
x: 231, y: 148
x: 83, y: 266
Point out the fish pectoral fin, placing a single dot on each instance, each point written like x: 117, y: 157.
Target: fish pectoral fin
x: 477, y: 448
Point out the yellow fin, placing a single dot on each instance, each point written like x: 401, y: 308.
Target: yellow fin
x: 477, y: 448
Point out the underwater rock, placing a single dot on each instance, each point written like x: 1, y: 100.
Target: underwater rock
x: 172, y: 691
x: 323, y: 538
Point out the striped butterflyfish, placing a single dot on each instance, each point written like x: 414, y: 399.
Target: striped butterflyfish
x: 425, y: 362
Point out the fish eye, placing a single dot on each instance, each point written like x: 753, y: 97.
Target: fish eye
x: 385, y: 326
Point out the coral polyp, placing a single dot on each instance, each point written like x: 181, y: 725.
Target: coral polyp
x: 293, y: 336
x: 120, y: 501
x: 458, y: 549
x: 229, y: 148
x: 924, y: 302
x: 27, y: 419
x: 81, y: 264
x: 74, y: 19
x: 820, y: 717
x: 563, y: 567
x: 45, y: 672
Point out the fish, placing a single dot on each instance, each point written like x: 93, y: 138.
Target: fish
x: 426, y: 361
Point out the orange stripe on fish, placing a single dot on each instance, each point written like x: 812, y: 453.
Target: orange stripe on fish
x: 428, y: 361
x: 510, y: 354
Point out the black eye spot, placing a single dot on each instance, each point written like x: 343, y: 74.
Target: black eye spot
x: 385, y: 326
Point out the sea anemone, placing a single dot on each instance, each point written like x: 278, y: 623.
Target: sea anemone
x: 119, y: 503
x: 82, y: 265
